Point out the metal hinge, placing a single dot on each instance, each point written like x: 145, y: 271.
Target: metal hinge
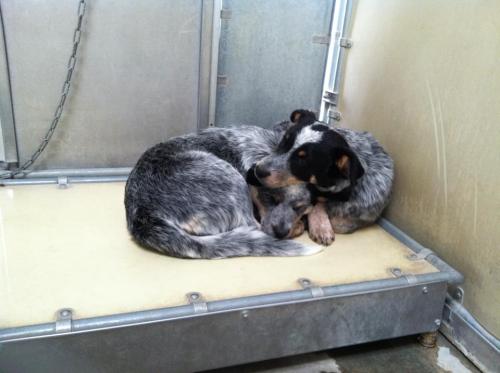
x: 345, y: 43
x: 321, y: 39
x: 198, y: 302
x: 225, y: 14
x: 334, y: 115
x: 222, y: 80
x: 64, y: 320
x: 421, y: 255
x: 331, y: 97
x: 316, y: 291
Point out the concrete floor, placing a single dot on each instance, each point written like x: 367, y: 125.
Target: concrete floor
x: 403, y: 355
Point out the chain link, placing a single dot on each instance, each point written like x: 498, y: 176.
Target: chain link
x: 62, y: 100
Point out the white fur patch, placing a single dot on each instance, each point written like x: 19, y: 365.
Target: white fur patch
x: 191, y: 254
x: 307, y: 135
x: 312, y: 249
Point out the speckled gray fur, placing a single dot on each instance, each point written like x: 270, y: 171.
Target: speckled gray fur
x: 187, y: 197
x: 372, y: 192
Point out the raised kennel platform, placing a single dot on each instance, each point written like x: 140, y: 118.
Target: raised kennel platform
x: 78, y: 294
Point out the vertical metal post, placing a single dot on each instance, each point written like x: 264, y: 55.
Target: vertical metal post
x: 8, y: 141
x: 336, y: 56
x: 209, y: 51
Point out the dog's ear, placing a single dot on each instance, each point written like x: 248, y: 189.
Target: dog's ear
x: 348, y: 164
x: 302, y: 116
x: 251, y: 178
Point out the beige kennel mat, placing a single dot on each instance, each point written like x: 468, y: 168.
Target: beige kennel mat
x: 70, y: 248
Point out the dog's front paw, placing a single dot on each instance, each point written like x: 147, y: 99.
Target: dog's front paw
x: 320, y: 228
x: 322, y: 234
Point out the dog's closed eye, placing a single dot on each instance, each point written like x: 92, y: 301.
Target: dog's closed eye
x: 298, y: 207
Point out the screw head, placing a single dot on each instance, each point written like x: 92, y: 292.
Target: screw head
x: 425, y: 290
x: 65, y: 313
x: 244, y: 313
x: 195, y: 296
x: 306, y: 282
x: 437, y: 322
x: 396, y: 271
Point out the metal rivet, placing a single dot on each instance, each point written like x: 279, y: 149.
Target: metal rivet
x: 437, y: 322
x: 244, y: 313
x: 195, y: 296
x: 425, y: 290
x: 396, y: 272
x: 64, y: 313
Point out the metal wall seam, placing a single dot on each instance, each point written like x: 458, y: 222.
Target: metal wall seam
x: 8, y: 138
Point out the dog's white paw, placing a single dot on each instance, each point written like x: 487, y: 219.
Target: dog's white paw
x: 320, y: 228
x: 322, y: 234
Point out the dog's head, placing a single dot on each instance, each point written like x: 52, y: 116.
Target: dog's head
x: 285, y: 208
x: 310, y: 152
x: 281, y: 209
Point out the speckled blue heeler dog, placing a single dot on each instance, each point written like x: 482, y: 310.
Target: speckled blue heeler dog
x: 188, y: 198
x: 348, y: 173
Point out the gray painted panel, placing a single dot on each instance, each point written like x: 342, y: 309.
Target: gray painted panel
x: 136, y: 80
x: 271, y: 63
x: 8, y: 147
x: 238, y: 336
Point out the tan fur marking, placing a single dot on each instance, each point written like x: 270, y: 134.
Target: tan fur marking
x: 320, y: 228
x: 297, y: 229
x: 296, y: 117
x: 193, y: 226
x: 254, y: 193
x: 302, y: 153
x: 343, y: 163
x: 280, y: 179
x: 292, y: 180
x: 313, y: 180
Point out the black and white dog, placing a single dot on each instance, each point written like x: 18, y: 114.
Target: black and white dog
x: 188, y: 198
x: 348, y: 173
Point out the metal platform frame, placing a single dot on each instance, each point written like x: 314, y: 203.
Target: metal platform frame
x: 204, y: 335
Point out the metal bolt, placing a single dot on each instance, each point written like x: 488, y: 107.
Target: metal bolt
x: 306, y: 282
x: 437, y: 322
x: 425, y: 290
x: 195, y: 296
x: 244, y: 313
x: 396, y: 271
x: 64, y: 313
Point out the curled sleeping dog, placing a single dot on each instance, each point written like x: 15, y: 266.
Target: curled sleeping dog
x: 187, y: 197
x: 348, y: 173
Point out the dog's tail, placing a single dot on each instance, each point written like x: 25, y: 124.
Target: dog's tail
x: 168, y: 238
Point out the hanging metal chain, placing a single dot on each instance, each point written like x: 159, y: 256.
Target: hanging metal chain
x: 62, y: 100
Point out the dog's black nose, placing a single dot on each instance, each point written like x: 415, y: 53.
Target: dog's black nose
x: 280, y: 231
x: 261, y: 173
